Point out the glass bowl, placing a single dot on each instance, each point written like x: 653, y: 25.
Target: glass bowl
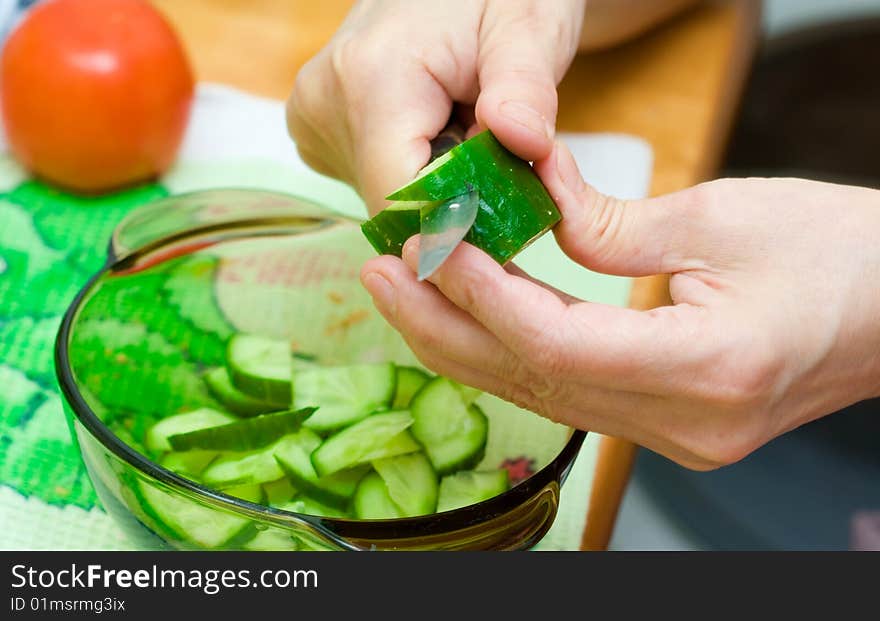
x: 184, y: 273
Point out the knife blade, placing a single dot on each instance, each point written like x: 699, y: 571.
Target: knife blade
x: 443, y: 227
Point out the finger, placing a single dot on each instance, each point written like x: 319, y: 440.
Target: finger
x: 524, y: 50
x: 430, y: 323
x: 621, y: 237
x: 514, y: 309
x: 515, y: 270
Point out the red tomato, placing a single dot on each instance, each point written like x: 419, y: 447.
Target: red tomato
x: 95, y: 94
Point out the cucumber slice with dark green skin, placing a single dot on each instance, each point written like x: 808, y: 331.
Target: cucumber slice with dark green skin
x: 470, y: 487
x: 343, y: 394
x: 242, y: 435
x: 254, y: 467
x: 372, y: 501
x: 188, y: 521
x: 261, y: 367
x: 310, y: 506
x: 232, y: 398
x: 515, y: 207
x: 334, y: 490
x: 453, y: 433
x: 411, y: 481
x: 360, y: 442
x: 189, y: 464
x: 409, y: 381
x: 157, y: 435
x: 389, y: 229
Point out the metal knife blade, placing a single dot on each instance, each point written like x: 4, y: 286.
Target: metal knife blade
x: 443, y: 227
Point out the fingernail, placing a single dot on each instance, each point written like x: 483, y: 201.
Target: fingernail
x: 382, y: 291
x: 410, y: 253
x: 568, y: 171
x: 523, y: 114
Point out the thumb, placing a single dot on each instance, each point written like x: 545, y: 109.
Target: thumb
x: 521, y: 59
x: 616, y: 236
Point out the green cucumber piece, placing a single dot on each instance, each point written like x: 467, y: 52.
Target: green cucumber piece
x: 409, y: 381
x: 372, y: 501
x: 199, y: 525
x: 190, y: 464
x: 157, y: 435
x: 232, y: 398
x: 470, y: 487
x: 389, y: 229
x: 515, y: 207
x: 334, y: 490
x: 359, y: 443
x: 242, y: 435
x: 279, y: 491
x: 401, y: 444
x: 252, y: 467
x: 411, y: 481
x: 344, y: 394
x: 261, y: 368
x: 453, y: 433
x: 310, y: 506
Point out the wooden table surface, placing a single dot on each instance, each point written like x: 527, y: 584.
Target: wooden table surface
x: 676, y: 87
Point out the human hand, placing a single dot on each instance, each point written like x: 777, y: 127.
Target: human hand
x: 365, y: 108
x: 775, y: 321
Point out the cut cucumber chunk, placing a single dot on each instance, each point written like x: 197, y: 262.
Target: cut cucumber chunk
x: 252, y: 467
x: 260, y: 367
x: 190, y: 464
x: 279, y: 491
x: 202, y: 526
x: 453, y: 433
x: 157, y: 435
x: 411, y: 481
x: 470, y: 487
x: 334, y: 490
x: 372, y: 501
x: 469, y: 394
x: 401, y: 444
x: 515, y: 207
x: 359, y: 443
x: 310, y: 506
x: 232, y: 398
x: 242, y: 435
x: 345, y: 394
x: 409, y: 381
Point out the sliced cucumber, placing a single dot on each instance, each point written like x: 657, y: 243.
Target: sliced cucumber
x: 310, y: 506
x: 232, y: 398
x: 190, y: 464
x: 409, y: 381
x: 260, y: 367
x: 359, y: 443
x: 401, y: 444
x: 469, y: 394
x: 470, y: 487
x: 411, y: 481
x: 157, y: 435
x: 453, y: 433
x: 334, y: 490
x: 279, y: 491
x: 372, y: 501
x: 345, y: 394
x: 202, y: 526
x: 252, y: 467
x: 515, y: 207
x: 242, y: 435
